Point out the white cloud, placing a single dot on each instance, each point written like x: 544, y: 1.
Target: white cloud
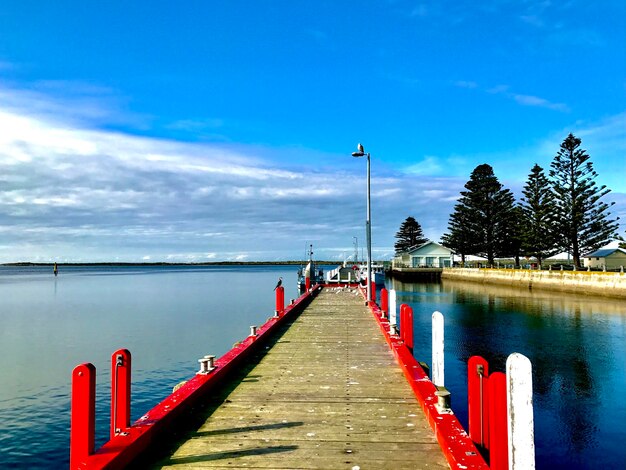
x: 529, y: 100
x: 429, y: 165
x: 75, y: 193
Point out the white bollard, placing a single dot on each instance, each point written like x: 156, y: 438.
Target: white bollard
x: 520, y: 421
x: 437, y: 374
x: 392, y: 307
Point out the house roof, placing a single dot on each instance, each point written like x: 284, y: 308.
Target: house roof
x: 604, y: 252
x: 419, y: 247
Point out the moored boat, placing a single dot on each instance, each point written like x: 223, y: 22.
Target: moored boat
x: 309, y: 274
x: 378, y: 272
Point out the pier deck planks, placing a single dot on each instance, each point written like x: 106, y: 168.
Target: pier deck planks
x: 328, y: 394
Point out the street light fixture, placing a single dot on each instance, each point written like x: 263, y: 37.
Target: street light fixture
x: 368, y: 222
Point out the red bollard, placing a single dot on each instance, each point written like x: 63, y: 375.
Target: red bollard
x: 478, y: 400
x: 407, y: 327
x: 83, y: 415
x: 373, y: 291
x: 120, y: 391
x: 498, y: 431
x: 384, y: 302
x: 280, y: 300
x: 307, y: 283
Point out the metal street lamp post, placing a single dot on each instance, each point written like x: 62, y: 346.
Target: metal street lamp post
x: 368, y: 222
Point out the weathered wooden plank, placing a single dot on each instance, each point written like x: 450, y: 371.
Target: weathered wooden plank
x: 328, y: 394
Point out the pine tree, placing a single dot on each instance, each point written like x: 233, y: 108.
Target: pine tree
x: 409, y: 235
x: 539, y: 237
x: 583, y: 220
x: 484, y: 218
x: 458, y: 238
x: 514, y: 235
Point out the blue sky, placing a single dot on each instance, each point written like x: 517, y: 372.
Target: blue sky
x: 202, y: 131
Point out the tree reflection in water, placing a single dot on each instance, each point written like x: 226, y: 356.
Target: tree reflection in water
x: 577, y: 347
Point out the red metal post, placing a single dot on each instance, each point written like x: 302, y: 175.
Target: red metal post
x: 83, y: 414
x: 280, y: 299
x: 407, y: 327
x: 384, y: 301
x: 478, y: 400
x: 120, y: 391
x: 498, y: 432
x: 373, y: 291
x: 307, y: 283
x: 402, y: 319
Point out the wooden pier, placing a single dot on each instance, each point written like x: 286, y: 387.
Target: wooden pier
x: 328, y: 394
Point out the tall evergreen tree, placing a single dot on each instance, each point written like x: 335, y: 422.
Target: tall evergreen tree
x: 458, y: 238
x: 539, y: 237
x: 484, y: 217
x: 514, y: 234
x: 409, y: 235
x: 583, y: 220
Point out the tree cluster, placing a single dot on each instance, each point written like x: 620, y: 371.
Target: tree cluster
x: 562, y: 213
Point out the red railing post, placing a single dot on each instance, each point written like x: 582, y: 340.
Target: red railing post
x: 120, y: 391
x: 498, y: 431
x: 280, y: 300
x: 384, y: 302
x: 307, y: 283
x: 478, y: 400
x: 402, y: 320
x: 83, y: 415
x: 407, y: 327
x: 373, y: 291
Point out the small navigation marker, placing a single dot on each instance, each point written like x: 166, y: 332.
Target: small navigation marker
x: 55, y: 270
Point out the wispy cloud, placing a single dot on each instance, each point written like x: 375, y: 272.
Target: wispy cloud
x: 429, y: 165
x: 529, y: 100
x: 69, y: 192
x: 522, y: 99
x: 76, y: 193
x: 196, y: 125
x: 75, y: 102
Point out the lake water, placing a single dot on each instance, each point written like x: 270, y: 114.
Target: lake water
x: 577, y: 346
x: 168, y: 317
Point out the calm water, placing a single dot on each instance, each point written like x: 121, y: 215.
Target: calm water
x: 170, y: 316
x: 167, y: 317
x: 577, y: 346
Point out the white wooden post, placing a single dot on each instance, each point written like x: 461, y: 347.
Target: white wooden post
x: 520, y: 421
x: 392, y: 307
x: 437, y: 374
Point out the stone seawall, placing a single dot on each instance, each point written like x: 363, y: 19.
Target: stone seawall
x: 578, y: 282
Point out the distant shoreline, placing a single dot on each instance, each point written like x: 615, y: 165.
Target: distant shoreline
x: 212, y: 263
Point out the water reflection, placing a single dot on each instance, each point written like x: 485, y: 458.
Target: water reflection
x: 577, y: 347
x: 166, y: 316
